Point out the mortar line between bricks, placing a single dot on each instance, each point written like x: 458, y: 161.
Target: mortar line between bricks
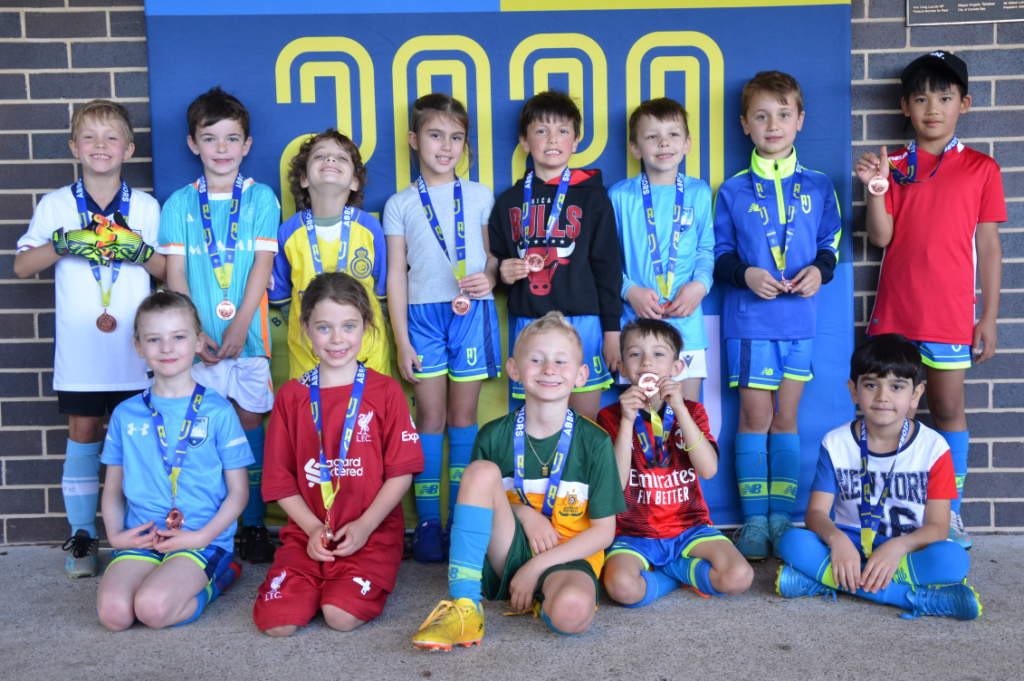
x: 60, y: 161
x: 917, y: 50
x: 67, y: 9
x: 73, y: 100
x: 69, y: 41
x: 79, y: 69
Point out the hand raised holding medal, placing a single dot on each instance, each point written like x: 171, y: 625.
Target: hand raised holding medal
x: 874, y: 172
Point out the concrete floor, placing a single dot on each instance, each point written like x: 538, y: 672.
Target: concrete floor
x: 50, y: 631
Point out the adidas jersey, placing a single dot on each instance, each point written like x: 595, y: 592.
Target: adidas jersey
x: 589, y: 487
x: 661, y: 503
x: 923, y: 471
x: 293, y: 270
x: 384, y: 445
x: 181, y: 233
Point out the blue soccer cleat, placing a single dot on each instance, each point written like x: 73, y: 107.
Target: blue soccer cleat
x: 752, y: 539
x: 791, y: 583
x: 956, y: 600
x: 778, y: 525
x: 428, y: 542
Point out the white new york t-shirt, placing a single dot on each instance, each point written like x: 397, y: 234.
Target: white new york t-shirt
x: 85, y: 358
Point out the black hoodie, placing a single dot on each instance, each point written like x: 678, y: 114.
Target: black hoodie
x: 583, y: 275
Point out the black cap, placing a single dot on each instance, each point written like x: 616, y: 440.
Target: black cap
x: 940, y: 60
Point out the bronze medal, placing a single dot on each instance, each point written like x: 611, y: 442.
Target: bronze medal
x: 174, y: 520
x: 649, y: 384
x: 326, y: 535
x: 878, y: 185
x: 106, y: 323
x: 226, y: 310
x: 535, y: 262
x: 461, y: 304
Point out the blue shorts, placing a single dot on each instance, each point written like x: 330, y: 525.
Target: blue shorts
x: 944, y: 355
x: 763, y: 364
x: 216, y: 562
x: 589, y: 328
x: 465, y: 348
x: 659, y: 552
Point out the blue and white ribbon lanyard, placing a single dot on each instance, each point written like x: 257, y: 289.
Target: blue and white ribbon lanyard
x: 785, y: 221
x: 871, y: 515
x: 314, y: 243
x: 327, y: 489
x: 461, y: 303
x: 911, y: 175
x: 664, y: 274
x: 662, y: 429
x: 222, y: 269
x: 557, y: 466
x: 556, y: 210
x: 83, y: 217
x: 173, y: 466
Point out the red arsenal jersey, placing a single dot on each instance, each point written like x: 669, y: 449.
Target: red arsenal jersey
x: 384, y: 445
x: 661, y: 503
x: 926, y: 286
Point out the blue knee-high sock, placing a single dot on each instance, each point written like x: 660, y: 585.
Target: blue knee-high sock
x: 471, y: 532
x: 460, y: 450
x: 959, y: 442
x: 693, y: 571
x: 427, y: 485
x: 547, y: 621
x: 658, y: 584
x: 752, y: 473
x: 256, y: 508
x: 784, y: 470
x: 943, y: 562
x: 203, y: 599
x: 81, y: 485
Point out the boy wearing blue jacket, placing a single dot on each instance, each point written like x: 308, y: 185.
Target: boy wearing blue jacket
x: 777, y: 230
x: 666, y: 236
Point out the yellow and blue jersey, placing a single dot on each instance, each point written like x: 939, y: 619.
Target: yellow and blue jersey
x: 294, y: 269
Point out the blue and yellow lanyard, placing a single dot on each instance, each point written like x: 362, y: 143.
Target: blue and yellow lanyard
x: 326, y: 486
x: 557, y: 466
x: 665, y: 275
x: 459, y: 264
x: 83, y: 217
x: 660, y: 456
x: 314, y: 243
x: 221, y: 269
x: 903, y: 180
x: 871, y: 516
x: 173, y: 466
x: 556, y: 209
x: 785, y: 221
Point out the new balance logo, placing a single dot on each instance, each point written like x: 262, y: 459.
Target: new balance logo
x: 753, y: 208
x: 144, y: 430
x: 365, y: 583
x: 767, y: 372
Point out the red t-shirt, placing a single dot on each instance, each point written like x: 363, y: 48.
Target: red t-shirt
x: 661, y: 503
x: 926, y: 287
x: 384, y: 445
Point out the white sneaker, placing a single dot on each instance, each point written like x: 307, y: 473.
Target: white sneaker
x: 957, y: 533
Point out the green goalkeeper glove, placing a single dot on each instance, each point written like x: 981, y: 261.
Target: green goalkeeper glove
x: 80, y: 242
x: 128, y: 245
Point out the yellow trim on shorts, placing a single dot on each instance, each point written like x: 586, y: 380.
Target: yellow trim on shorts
x: 802, y: 379
x: 736, y: 384
x: 947, y: 366
x: 701, y: 540
x: 470, y: 379
x: 597, y: 386
x: 607, y: 557
x: 148, y: 559
x: 431, y: 374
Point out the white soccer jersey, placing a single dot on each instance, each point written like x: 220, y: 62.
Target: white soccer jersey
x: 85, y: 358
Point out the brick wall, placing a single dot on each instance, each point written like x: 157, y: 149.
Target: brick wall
x: 56, y: 54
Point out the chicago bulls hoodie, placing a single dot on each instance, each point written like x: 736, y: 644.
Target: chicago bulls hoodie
x: 583, y: 269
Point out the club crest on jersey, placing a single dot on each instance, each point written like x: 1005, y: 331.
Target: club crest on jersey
x: 572, y: 507
x: 199, y: 431
x: 361, y: 265
x: 805, y: 202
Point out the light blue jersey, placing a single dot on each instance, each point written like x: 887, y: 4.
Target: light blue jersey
x: 216, y: 443
x: 181, y: 233
x: 694, y: 261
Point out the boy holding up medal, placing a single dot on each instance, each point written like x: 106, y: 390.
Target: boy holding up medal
x: 100, y: 234
x: 887, y: 481
x: 220, y: 236
x: 554, y: 235
x: 777, y: 231
x: 938, y: 226
x: 666, y: 235
x: 537, y: 505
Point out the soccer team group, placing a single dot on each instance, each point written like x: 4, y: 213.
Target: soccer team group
x: 605, y: 287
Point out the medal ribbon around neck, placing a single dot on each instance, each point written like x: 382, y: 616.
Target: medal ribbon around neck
x: 327, y: 489
x: 173, y: 466
x: 221, y: 269
x: 660, y: 456
x: 556, y: 208
x: 903, y: 180
x: 871, y: 516
x: 314, y: 242
x: 557, y: 466
x: 787, y: 220
x: 83, y: 216
x: 459, y: 263
x: 665, y: 274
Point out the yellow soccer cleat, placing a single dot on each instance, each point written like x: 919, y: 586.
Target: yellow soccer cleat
x: 460, y: 623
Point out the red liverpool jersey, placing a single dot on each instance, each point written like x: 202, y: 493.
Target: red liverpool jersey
x: 661, y: 503
x: 384, y: 445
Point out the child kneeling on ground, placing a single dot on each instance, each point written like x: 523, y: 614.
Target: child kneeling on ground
x: 889, y: 480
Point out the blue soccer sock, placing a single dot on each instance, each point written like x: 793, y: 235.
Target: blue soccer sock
x: 658, y: 584
x: 81, y: 484
x: 959, y: 442
x: 471, y: 533
x: 752, y: 473
x: 544, y: 616
x: 693, y: 571
x: 460, y: 450
x: 203, y: 599
x: 256, y: 508
x: 427, y: 485
x: 784, y: 470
